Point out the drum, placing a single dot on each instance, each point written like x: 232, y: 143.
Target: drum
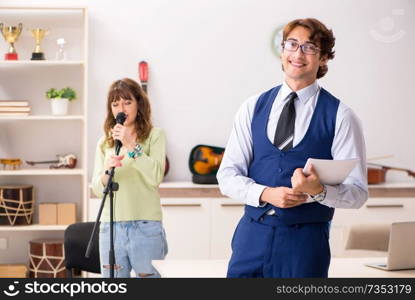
x: 47, y: 259
x: 16, y: 204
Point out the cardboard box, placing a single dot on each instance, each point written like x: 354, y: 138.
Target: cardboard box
x: 66, y: 213
x: 13, y: 271
x: 47, y: 214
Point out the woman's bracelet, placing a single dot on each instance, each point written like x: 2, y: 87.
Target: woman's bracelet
x: 137, y: 152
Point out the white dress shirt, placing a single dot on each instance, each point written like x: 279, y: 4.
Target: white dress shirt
x: 348, y: 143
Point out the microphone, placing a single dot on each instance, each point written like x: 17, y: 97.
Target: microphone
x: 119, y: 119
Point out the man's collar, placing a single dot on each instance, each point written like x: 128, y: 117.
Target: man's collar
x: 304, y: 94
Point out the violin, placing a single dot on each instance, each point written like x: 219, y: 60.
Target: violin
x: 206, y: 160
x: 377, y: 173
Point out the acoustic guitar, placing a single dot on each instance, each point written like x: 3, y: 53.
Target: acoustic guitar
x: 377, y: 173
x: 67, y: 161
x: 205, y: 160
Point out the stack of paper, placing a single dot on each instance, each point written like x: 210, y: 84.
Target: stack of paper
x: 331, y: 172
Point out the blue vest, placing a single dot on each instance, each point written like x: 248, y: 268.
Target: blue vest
x: 273, y: 167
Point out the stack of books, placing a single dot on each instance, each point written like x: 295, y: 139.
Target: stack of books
x: 14, y: 108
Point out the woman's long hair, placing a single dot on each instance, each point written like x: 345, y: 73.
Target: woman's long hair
x: 127, y: 88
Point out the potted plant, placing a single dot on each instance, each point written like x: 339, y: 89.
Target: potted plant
x: 60, y: 99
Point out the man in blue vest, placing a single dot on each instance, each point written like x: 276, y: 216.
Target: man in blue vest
x: 285, y: 229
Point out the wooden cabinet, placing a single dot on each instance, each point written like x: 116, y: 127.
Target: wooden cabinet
x: 376, y: 210
x: 196, y: 228
x: 200, y: 222
x: 217, y: 224
x: 186, y: 221
x: 225, y: 216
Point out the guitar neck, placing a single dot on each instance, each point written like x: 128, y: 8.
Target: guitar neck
x: 409, y: 172
x: 42, y: 162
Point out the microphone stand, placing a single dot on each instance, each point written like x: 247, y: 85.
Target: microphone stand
x: 110, y: 188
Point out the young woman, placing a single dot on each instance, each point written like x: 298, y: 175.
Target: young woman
x: 139, y: 236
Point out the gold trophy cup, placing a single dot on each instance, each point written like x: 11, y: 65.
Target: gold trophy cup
x: 38, y: 34
x: 11, y: 34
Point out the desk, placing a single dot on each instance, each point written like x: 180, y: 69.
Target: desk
x: 339, y: 267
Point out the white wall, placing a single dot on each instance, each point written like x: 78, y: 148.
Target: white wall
x: 207, y: 56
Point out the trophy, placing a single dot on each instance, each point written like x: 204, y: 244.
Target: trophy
x: 11, y: 34
x: 38, y: 34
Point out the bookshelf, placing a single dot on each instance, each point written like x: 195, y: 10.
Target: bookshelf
x: 41, y: 136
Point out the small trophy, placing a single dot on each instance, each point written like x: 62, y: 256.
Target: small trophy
x: 61, y: 53
x: 11, y: 34
x: 38, y: 34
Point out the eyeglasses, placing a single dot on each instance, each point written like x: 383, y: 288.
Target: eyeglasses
x: 307, y: 48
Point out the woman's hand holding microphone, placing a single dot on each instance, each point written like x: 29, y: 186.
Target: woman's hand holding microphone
x: 127, y: 138
x: 125, y: 135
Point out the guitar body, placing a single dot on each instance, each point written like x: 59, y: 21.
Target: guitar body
x: 377, y: 173
x: 204, y: 162
x: 66, y: 161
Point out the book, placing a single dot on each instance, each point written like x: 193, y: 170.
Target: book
x: 14, y: 103
x: 14, y: 108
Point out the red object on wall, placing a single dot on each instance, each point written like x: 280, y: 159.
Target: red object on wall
x: 143, y: 74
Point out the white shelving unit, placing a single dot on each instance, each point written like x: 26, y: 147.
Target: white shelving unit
x: 40, y: 136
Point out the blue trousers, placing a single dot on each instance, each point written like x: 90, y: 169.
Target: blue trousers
x: 136, y: 243
x: 268, y: 248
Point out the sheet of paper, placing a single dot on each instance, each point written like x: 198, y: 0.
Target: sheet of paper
x: 331, y: 172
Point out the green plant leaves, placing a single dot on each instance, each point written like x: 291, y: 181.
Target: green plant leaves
x: 66, y: 92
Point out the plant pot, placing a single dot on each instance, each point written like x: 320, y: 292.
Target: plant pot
x: 59, y: 106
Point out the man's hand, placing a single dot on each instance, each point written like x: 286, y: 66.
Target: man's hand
x: 283, y: 197
x: 306, y: 184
